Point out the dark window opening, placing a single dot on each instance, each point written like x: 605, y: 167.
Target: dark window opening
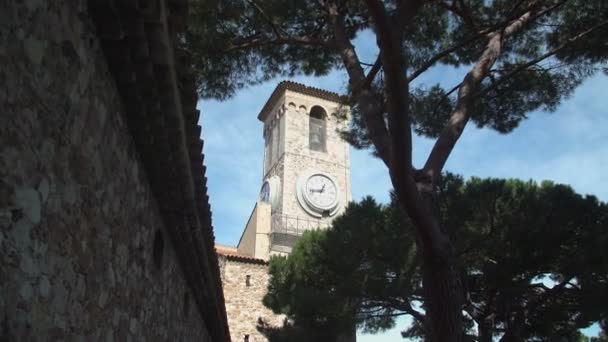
x: 246, y: 338
x: 317, y: 127
x: 157, y: 252
x: 186, y: 304
x: 248, y: 280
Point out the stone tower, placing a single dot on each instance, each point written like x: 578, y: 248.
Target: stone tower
x: 305, y: 185
x: 306, y: 169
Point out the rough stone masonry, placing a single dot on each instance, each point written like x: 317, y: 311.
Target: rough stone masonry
x: 86, y: 249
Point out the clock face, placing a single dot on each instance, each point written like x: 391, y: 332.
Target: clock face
x: 321, y: 191
x: 317, y: 193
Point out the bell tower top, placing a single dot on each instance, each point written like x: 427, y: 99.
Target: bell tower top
x: 306, y: 171
x: 287, y: 86
x: 303, y: 121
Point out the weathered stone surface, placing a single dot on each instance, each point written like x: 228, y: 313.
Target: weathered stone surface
x: 289, y: 160
x: 26, y: 292
x: 44, y: 287
x: 244, y: 303
x: 77, y: 215
x: 296, y: 157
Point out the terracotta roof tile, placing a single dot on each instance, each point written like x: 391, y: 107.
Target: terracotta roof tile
x: 231, y: 254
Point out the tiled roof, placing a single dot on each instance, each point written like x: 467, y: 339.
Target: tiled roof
x: 299, y: 88
x: 231, y: 254
x: 158, y: 90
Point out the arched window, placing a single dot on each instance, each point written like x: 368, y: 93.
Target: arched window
x: 317, y: 123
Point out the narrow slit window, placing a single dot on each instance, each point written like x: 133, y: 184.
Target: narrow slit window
x: 157, y: 251
x: 317, y: 129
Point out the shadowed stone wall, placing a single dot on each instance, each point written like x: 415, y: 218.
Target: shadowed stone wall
x: 84, y: 254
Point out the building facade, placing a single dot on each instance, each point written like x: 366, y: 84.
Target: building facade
x: 105, y: 230
x: 305, y: 185
x: 245, y: 282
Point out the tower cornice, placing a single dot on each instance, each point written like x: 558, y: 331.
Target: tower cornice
x: 283, y: 86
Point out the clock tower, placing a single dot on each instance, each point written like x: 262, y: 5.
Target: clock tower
x: 306, y: 169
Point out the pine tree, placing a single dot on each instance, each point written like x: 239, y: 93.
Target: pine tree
x: 521, y: 56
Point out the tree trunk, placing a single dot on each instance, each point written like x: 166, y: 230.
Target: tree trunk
x: 350, y: 336
x: 442, y: 288
x: 509, y: 336
x: 485, y: 330
x: 513, y: 332
x: 442, y: 298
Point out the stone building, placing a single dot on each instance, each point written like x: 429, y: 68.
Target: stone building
x: 105, y: 224
x: 306, y: 184
x: 306, y: 177
x: 245, y: 280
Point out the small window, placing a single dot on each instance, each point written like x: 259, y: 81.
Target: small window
x: 157, y: 252
x: 248, y: 280
x: 186, y: 304
x: 246, y: 338
x: 317, y: 123
x: 265, y: 192
x: 275, y: 142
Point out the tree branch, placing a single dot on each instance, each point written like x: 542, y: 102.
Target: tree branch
x: 396, y: 91
x: 371, y: 109
x: 539, y: 59
x: 443, y: 54
x: 453, y: 48
x: 263, y: 41
x: 401, y: 305
x: 471, y: 40
x: 373, y: 72
x: 406, y: 11
x: 466, y: 94
x: 407, y: 307
x: 434, y: 243
x: 266, y: 17
x: 462, y: 11
x: 548, y: 293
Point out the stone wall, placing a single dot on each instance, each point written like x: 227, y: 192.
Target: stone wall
x: 84, y: 253
x: 244, y: 302
x: 246, y: 245
x: 255, y: 239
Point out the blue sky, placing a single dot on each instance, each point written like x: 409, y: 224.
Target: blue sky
x: 568, y: 146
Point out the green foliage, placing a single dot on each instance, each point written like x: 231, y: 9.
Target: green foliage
x: 602, y: 338
x: 231, y: 42
x: 530, y: 232
x: 579, y: 16
x: 532, y: 258
x: 348, y: 275
x: 236, y: 43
